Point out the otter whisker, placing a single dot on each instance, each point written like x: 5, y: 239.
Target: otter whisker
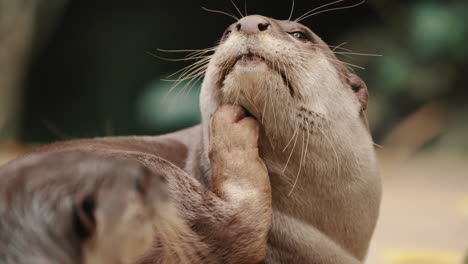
x: 339, y: 73
x: 352, y: 65
x: 184, y: 50
x: 220, y: 12
x: 274, y: 114
x: 271, y: 143
x: 292, y: 11
x: 334, y: 60
x: 167, y: 59
x: 347, y: 63
x: 192, y: 79
x: 181, y: 79
x: 333, y: 9
x: 189, y: 67
x: 236, y: 101
x: 337, y: 160
x: 195, y: 54
x: 201, y: 63
x: 260, y: 91
x: 345, y: 55
x: 293, y: 148
x: 264, y: 109
x: 360, y: 54
x: 183, y: 71
x: 292, y: 137
x: 195, y: 80
x: 339, y: 47
x: 187, y: 74
x: 317, y: 8
x: 269, y: 106
x: 334, y: 48
x: 346, y: 77
x: 286, y: 78
x: 189, y: 81
x: 252, y: 103
x: 192, y: 72
x: 188, y: 50
x: 302, y: 161
x: 296, y: 71
x: 237, y: 8
x: 202, y: 52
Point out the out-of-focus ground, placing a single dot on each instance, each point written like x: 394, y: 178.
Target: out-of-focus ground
x: 424, y: 213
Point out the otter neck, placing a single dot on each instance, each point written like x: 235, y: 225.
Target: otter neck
x: 296, y: 162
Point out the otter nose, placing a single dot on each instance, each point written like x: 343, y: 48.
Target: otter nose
x: 252, y: 25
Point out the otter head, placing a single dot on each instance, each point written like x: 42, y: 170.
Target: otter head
x: 126, y: 211
x: 77, y: 208
x: 291, y: 81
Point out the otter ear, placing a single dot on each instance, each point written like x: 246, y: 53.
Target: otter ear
x: 360, y: 89
x: 84, y: 220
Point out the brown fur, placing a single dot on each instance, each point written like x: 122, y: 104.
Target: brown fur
x: 228, y: 225
x: 313, y: 139
x: 72, y: 207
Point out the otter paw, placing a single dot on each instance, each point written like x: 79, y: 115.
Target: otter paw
x: 232, y: 132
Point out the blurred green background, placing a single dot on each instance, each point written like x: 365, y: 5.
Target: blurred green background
x: 73, y: 69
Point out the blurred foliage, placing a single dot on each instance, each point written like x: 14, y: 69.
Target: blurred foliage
x: 162, y: 107
x: 424, y: 50
x: 93, y: 72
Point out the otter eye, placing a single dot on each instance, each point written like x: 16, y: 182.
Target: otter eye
x: 227, y: 34
x: 84, y: 220
x: 298, y: 35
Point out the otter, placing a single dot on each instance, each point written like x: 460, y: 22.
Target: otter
x: 313, y: 139
x: 76, y: 208
x: 95, y: 202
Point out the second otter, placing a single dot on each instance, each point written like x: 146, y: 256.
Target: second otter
x: 108, y: 201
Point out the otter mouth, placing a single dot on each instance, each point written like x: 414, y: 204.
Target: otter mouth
x: 249, y: 59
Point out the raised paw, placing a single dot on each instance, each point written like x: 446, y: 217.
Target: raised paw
x: 232, y: 132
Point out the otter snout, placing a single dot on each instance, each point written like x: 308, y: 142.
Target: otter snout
x: 252, y: 25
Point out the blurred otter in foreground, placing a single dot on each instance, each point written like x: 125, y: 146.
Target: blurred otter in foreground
x: 94, y: 202
x: 74, y: 208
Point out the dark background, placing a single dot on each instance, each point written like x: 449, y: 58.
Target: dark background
x: 90, y: 73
